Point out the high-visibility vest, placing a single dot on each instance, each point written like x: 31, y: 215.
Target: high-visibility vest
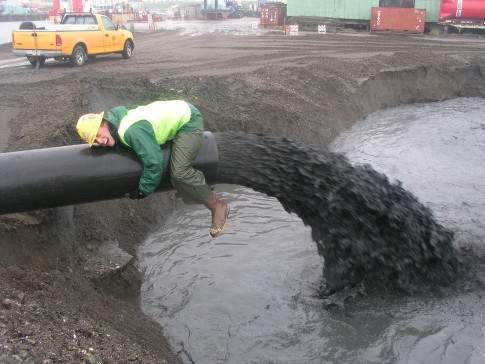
x: 166, y: 118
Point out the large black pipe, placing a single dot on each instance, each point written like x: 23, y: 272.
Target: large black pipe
x: 43, y: 178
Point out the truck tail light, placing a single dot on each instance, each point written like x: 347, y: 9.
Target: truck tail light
x: 58, y: 40
x: 13, y: 39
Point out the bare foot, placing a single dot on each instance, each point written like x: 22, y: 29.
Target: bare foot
x: 220, y: 213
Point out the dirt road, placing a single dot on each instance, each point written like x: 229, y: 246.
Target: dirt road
x: 308, y: 87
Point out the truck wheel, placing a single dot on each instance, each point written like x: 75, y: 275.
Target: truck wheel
x: 33, y: 60
x: 79, y: 56
x: 128, y: 49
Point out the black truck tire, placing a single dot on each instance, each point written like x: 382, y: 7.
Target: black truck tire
x: 79, y: 56
x: 128, y: 49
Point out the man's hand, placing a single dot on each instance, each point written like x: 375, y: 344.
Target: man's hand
x: 135, y: 195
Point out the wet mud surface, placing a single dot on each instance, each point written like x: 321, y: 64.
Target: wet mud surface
x: 306, y: 88
x: 368, y: 230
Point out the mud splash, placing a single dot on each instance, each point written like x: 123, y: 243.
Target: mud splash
x: 368, y: 230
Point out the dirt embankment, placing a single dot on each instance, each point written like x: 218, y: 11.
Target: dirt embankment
x: 54, y: 308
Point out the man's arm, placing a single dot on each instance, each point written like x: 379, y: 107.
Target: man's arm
x: 141, y: 137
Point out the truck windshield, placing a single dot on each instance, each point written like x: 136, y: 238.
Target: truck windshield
x: 79, y: 19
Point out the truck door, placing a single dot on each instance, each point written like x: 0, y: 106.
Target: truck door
x: 110, y: 34
x: 95, y: 39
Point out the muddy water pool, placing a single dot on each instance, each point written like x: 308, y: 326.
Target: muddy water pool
x: 251, y: 296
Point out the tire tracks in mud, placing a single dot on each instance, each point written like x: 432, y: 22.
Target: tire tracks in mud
x: 176, y: 55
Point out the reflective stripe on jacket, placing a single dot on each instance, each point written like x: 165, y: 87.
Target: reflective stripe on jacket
x: 166, y: 118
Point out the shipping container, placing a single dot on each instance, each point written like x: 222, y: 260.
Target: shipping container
x: 333, y: 9
x: 273, y: 14
x: 352, y: 10
x: 398, y: 19
x: 440, y: 14
x: 432, y: 8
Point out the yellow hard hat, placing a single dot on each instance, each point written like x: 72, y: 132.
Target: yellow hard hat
x: 88, y: 125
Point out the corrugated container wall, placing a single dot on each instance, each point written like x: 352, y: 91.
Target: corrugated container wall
x: 398, y: 19
x: 334, y: 9
x: 273, y: 14
x: 352, y: 9
x: 432, y: 9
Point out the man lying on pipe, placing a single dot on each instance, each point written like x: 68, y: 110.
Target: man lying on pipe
x: 143, y: 130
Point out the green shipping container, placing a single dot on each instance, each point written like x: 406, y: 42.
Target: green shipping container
x: 432, y: 9
x: 334, y: 9
x: 351, y: 9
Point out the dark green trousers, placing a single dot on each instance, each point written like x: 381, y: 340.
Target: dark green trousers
x: 189, y: 182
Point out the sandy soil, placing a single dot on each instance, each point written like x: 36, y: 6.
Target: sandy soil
x: 310, y: 88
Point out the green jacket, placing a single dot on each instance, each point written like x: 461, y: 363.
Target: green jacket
x: 146, y: 131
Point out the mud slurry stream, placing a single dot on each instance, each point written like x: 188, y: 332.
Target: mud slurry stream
x: 368, y: 230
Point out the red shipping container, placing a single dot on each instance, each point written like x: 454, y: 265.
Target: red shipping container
x: 398, y: 19
x: 273, y: 14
